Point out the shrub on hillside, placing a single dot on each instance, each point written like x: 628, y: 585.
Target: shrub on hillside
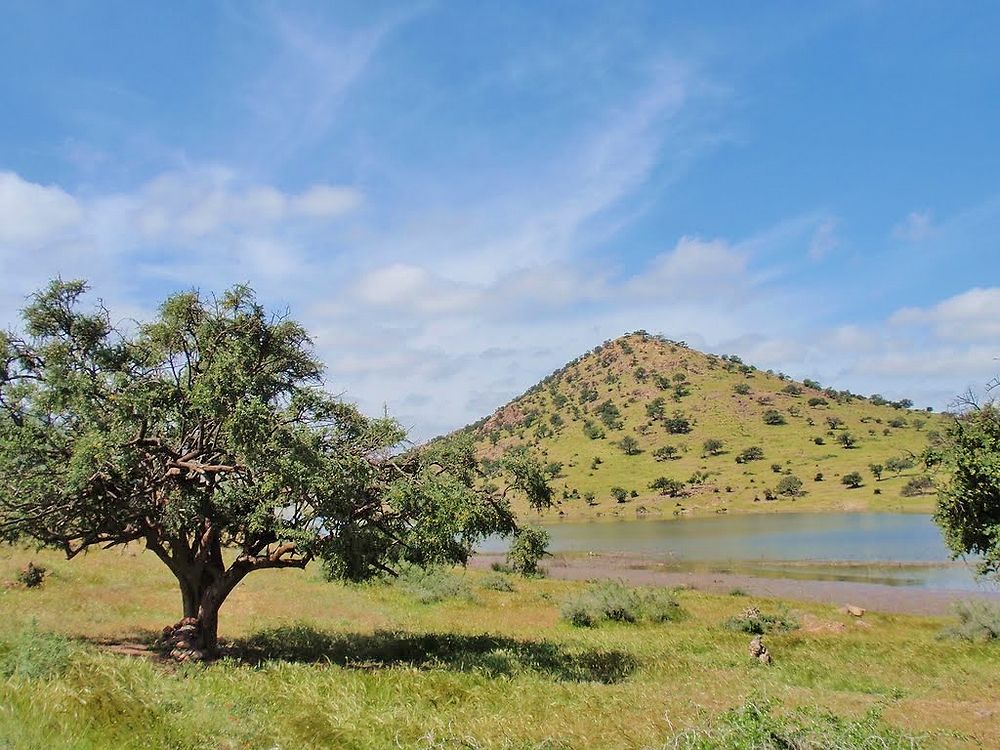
x: 667, y: 486
x: 496, y: 581
x: 790, y: 486
x: 32, y: 576
x: 615, y: 602
x: 742, y: 389
x: 431, y: 585
x: 666, y: 453
x: 753, y: 453
x: 917, y: 486
x: 852, y: 480
x: 774, y: 417
x: 977, y: 621
x: 755, y: 622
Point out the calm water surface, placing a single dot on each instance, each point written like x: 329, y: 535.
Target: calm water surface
x: 895, y: 548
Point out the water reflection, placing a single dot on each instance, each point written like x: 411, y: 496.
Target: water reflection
x: 899, y: 549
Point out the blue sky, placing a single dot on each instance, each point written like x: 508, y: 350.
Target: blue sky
x: 457, y: 198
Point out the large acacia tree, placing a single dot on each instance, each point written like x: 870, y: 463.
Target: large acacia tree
x: 207, y: 436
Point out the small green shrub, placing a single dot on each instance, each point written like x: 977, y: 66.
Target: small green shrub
x: 33, y: 654
x: 432, y: 585
x: 615, y: 602
x: 755, y: 622
x: 31, y: 575
x: 977, y: 622
x: 496, y: 582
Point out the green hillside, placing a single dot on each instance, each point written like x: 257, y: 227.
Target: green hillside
x: 640, y: 413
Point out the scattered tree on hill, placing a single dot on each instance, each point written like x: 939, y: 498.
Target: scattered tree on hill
x: 792, y: 389
x: 847, y: 440
x: 629, y: 446
x: 678, y: 423
x: 608, y: 413
x: 207, y: 430
x: 712, y: 447
x: 593, y: 430
x: 619, y: 494
x: 899, y: 464
x: 834, y: 422
x: 969, y: 504
x: 666, y: 453
x: 657, y: 408
x: 920, y: 485
x: 817, y: 401
x: 876, y: 470
x: 790, y: 485
x: 852, y: 479
x: 667, y: 486
x: 741, y: 389
x: 774, y: 417
x: 753, y: 453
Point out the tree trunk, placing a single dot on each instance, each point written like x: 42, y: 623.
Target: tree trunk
x: 208, y: 619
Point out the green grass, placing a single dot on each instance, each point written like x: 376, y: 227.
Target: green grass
x: 316, y: 665
x: 716, y: 411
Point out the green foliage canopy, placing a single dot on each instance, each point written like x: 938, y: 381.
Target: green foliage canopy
x: 969, y: 505
x: 208, y: 428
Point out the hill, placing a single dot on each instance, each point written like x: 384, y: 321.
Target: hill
x: 645, y: 425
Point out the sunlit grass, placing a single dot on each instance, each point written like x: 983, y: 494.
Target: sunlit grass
x: 316, y: 665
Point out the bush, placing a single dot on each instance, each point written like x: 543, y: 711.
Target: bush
x: 917, y: 486
x: 33, y: 654
x: 755, y: 622
x: 615, y: 602
x: 817, y: 401
x: 619, y: 494
x: 629, y: 446
x: 432, y: 585
x: 667, y: 486
x: 666, y: 453
x: 712, y: 447
x: 742, y: 389
x: 790, y: 485
x: 847, y: 440
x: 496, y: 582
x: 31, y: 575
x: 774, y: 417
x: 977, y: 621
x: 852, y: 479
x: 819, y: 440
x: 528, y: 547
x: 677, y: 424
x: 753, y: 453
x: 818, y: 477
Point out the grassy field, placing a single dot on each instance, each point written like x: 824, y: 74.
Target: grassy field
x: 632, y: 372
x: 319, y: 665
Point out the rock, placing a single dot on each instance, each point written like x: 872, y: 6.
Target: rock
x: 854, y: 611
x: 198, y: 655
x: 182, y: 644
x: 759, y: 651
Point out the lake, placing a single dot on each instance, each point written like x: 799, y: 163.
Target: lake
x: 891, y: 548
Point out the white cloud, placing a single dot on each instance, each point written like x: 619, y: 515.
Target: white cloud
x: 31, y: 213
x: 917, y: 226
x: 325, y: 201
x: 971, y: 315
